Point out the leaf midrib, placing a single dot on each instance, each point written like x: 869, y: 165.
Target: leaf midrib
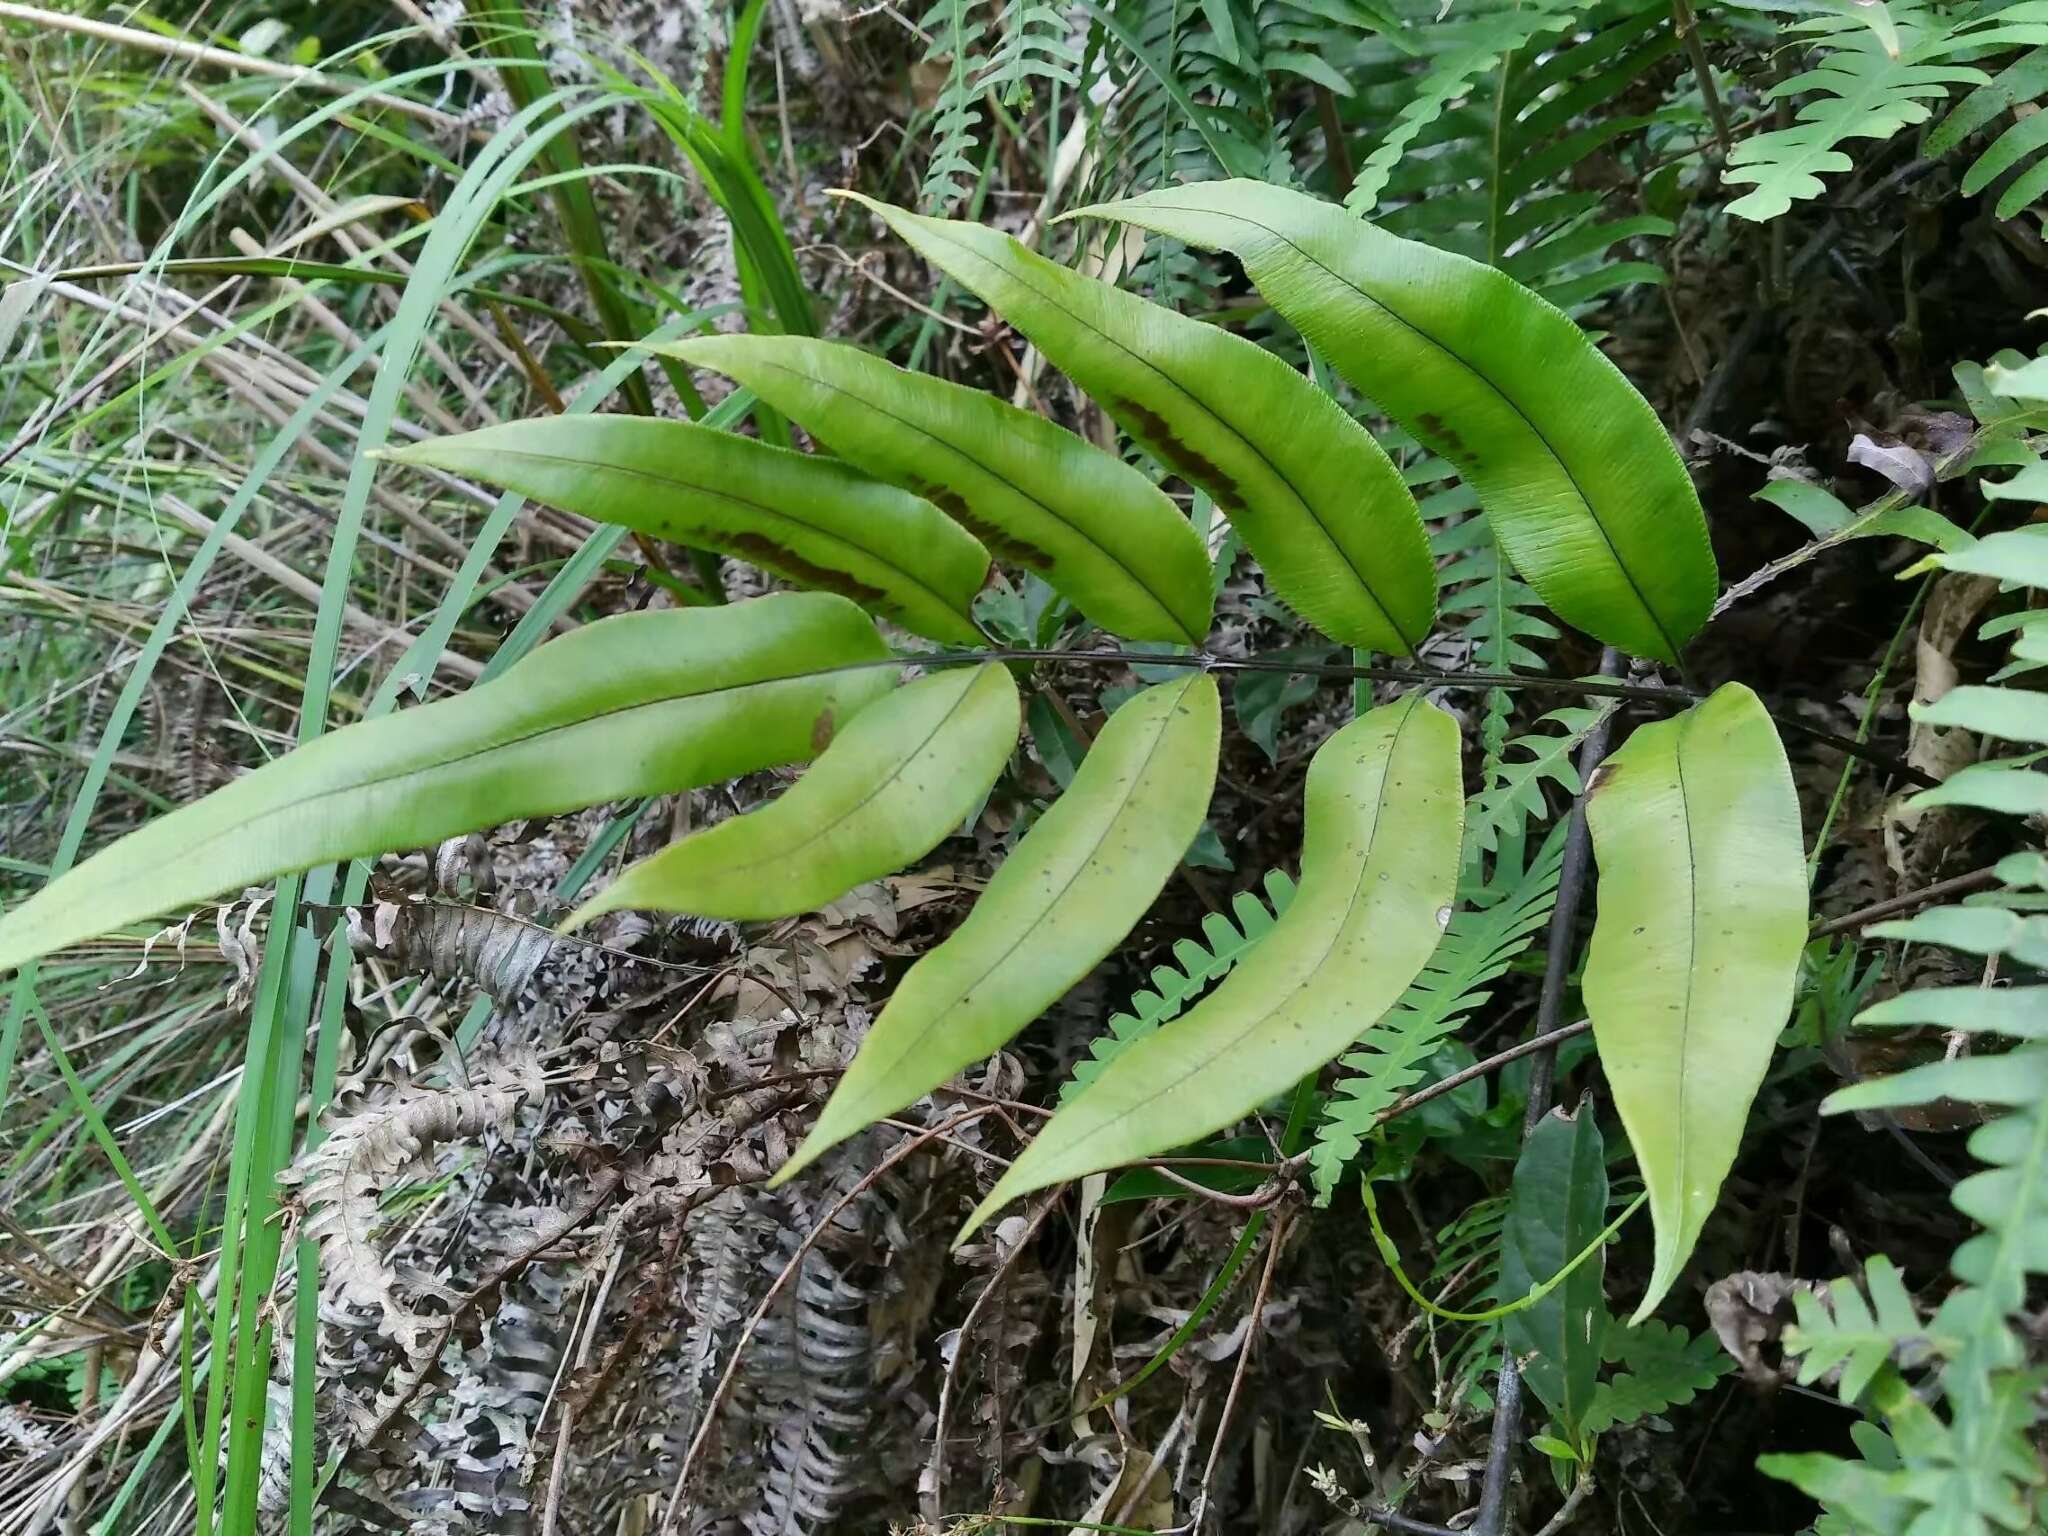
x: 1656, y: 619
x: 676, y: 482
x: 1322, y: 528
x: 1129, y: 571
x: 1309, y: 978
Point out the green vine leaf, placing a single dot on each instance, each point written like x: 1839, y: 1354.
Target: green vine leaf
x: 1702, y: 920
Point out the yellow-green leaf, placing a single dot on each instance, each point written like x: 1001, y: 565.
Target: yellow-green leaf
x: 1317, y: 502
x: 641, y: 704
x: 1578, y: 476
x: 1701, y: 923
x: 1082, y: 876
x: 1379, y: 869
x: 904, y: 774
x: 815, y: 521
x: 1100, y: 533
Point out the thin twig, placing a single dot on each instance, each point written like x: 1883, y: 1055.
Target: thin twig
x: 1975, y: 880
x: 1244, y: 1358
x: 1545, y: 1042
x: 935, y: 1500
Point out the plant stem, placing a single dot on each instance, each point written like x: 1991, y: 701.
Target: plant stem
x: 1564, y: 917
x: 1420, y: 677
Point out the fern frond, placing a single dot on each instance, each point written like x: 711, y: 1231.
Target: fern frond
x: 1515, y: 791
x: 1511, y: 99
x: 1972, y: 1471
x: 956, y: 30
x: 1871, y: 86
x: 1502, y: 614
x: 1839, y: 1329
x: 1196, y: 967
x: 1478, y: 946
x: 1665, y: 1368
x: 1036, y: 45
x: 2020, y: 84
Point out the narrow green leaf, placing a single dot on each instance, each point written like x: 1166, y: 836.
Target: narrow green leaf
x: 1379, y: 871
x: 904, y: 774
x: 1099, y: 532
x: 1082, y: 876
x: 1702, y: 920
x: 1556, y: 1206
x: 640, y: 704
x: 815, y: 521
x: 1317, y: 501
x: 1578, y: 476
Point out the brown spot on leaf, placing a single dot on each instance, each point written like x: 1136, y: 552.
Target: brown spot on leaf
x: 1434, y: 430
x: 1004, y: 546
x: 779, y: 557
x: 1602, y: 777
x: 822, y: 730
x: 1190, y: 464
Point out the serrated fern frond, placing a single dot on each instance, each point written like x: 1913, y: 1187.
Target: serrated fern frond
x: 1478, y: 946
x: 1871, y: 84
x: 956, y: 29
x: 1196, y: 967
x: 1483, y: 142
x: 1502, y: 616
x: 1664, y: 1367
x: 1839, y: 1328
x: 1515, y: 791
x: 1967, y: 1463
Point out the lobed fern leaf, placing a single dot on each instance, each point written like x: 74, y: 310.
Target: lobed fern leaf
x: 1515, y: 791
x: 2019, y: 85
x: 1839, y: 1329
x: 957, y: 31
x: 1502, y: 615
x: 1509, y: 100
x: 1665, y: 1368
x: 1478, y: 946
x: 1196, y: 967
x: 1872, y: 83
x: 1970, y: 1469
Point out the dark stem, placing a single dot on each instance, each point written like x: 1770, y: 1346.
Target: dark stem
x: 1557, y: 965
x: 1420, y: 677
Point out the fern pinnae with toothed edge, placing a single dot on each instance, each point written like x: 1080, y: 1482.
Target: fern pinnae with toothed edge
x: 1479, y: 944
x: 1965, y: 1462
x: 1872, y: 83
x: 1510, y: 99
x: 1197, y: 965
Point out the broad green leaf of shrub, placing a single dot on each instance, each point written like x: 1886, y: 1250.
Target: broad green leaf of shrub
x: 1317, y: 501
x: 1556, y: 1207
x: 902, y: 776
x: 1379, y: 871
x: 1077, y: 883
x: 1577, y: 475
x: 1702, y: 919
x: 815, y: 521
x: 640, y: 704
x: 1101, y: 534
